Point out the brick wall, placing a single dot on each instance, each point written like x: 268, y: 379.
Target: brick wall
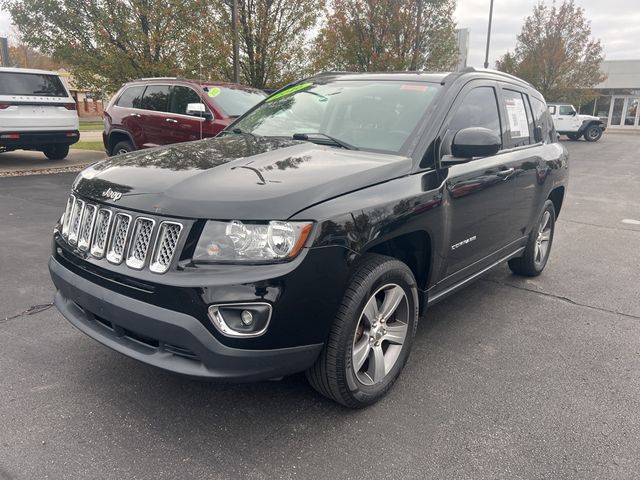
x: 89, y: 108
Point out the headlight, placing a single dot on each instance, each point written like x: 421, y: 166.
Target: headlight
x: 248, y: 242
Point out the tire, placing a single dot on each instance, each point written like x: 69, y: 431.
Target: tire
x: 538, y: 249
x: 56, y: 152
x: 592, y: 133
x: 356, y: 339
x: 573, y: 136
x: 122, y: 147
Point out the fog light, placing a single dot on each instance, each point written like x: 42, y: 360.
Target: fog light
x: 241, y: 319
x: 246, y: 317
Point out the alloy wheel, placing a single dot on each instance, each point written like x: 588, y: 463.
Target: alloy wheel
x: 380, y: 334
x: 543, y: 239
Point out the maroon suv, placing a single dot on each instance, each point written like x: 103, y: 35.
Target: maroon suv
x: 158, y: 111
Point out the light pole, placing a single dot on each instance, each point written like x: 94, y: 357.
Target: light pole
x: 236, y: 46
x: 486, y: 55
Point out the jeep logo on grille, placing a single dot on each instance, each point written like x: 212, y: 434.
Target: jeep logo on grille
x: 112, y: 194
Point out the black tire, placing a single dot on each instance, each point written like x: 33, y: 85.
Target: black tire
x: 122, y: 147
x: 529, y: 264
x: 593, y: 133
x: 56, y: 152
x: 573, y: 136
x: 333, y: 374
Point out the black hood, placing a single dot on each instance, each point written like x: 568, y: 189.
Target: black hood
x: 235, y: 177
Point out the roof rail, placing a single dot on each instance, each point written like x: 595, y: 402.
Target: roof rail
x: 157, y: 78
x: 494, y: 72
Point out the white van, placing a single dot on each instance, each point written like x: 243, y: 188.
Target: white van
x: 37, y: 112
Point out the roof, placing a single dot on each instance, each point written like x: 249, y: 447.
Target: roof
x: 26, y: 70
x: 196, y: 82
x: 401, y: 76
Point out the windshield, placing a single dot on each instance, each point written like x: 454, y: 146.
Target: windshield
x: 370, y: 115
x: 234, y: 101
x: 31, y: 84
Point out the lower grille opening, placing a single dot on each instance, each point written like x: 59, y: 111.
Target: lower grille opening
x: 180, y: 351
x: 104, y: 322
x: 136, y: 337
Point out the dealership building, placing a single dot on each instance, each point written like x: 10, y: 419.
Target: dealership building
x: 618, y: 96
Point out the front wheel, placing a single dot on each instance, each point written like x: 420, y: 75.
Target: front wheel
x: 536, y: 253
x: 56, y: 152
x: 592, y: 133
x: 371, y: 337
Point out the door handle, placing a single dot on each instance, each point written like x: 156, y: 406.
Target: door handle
x: 137, y: 115
x: 504, y: 174
x: 170, y: 120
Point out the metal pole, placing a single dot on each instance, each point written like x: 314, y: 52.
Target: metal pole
x: 236, y: 44
x: 486, y: 56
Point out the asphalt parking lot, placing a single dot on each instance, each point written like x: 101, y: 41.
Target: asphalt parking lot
x: 511, y: 378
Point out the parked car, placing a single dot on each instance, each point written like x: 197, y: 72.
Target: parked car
x: 314, y: 230
x: 37, y: 112
x: 160, y: 111
x: 570, y: 123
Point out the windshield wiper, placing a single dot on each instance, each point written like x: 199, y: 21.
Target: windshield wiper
x: 335, y: 141
x: 238, y: 131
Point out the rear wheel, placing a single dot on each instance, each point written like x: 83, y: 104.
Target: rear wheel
x: 56, y: 152
x: 538, y: 248
x: 372, y: 334
x: 592, y: 133
x: 122, y: 147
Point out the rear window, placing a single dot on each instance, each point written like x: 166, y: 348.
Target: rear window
x: 234, y: 102
x: 32, y: 84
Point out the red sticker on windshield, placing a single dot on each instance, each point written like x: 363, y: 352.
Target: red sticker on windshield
x: 415, y: 88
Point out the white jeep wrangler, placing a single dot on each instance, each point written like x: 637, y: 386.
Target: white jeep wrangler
x: 568, y: 122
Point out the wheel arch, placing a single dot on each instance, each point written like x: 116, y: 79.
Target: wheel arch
x: 414, y: 249
x: 116, y: 136
x: 557, y: 197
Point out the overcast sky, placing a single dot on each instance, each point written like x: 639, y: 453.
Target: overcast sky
x: 615, y: 22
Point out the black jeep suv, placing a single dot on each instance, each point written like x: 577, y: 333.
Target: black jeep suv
x: 312, y: 233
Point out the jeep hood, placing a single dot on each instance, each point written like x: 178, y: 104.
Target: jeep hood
x: 587, y: 117
x: 235, y: 177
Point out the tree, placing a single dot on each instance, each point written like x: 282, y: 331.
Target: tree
x: 379, y: 35
x: 556, y: 53
x: 105, y: 43
x: 26, y: 57
x: 272, y: 35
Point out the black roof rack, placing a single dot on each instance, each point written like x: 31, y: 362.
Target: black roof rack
x: 494, y: 72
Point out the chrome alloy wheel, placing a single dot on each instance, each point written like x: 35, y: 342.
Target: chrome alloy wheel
x: 543, y: 239
x: 380, y: 334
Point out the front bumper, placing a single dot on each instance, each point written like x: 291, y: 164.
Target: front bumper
x: 35, y: 140
x: 165, y: 338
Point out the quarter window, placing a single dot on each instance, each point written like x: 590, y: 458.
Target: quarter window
x: 552, y: 109
x: 131, y: 97
x: 181, y: 97
x: 156, y: 98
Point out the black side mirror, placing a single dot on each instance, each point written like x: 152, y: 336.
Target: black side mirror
x: 473, y: 142
x: 574, y: 113
x: 537, y: 133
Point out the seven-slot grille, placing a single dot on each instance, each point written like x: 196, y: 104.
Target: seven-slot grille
x: 118, y: 236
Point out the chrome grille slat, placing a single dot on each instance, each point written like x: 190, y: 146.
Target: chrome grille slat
x: 103, y: 222
x: 166, y: 246
x: 76, y: 218
x: 140, y: 242
x: 86, y: 226
x: 109, y: 233
x: 118, y: 241
x: 67, y: 216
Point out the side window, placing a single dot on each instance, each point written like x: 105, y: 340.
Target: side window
x: 181, y: 97
x: 131, y: 97
x: 479, y: 108
x: 552, y: 109
x: 542, y: 119
x: 518, y: 121
x: 156, y: 97
x: 566, y: 110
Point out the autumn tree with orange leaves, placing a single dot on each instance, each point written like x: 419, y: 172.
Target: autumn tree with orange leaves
x: 556, y: 53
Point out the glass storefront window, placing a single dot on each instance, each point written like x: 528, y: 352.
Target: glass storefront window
x: 603, y: 104
x: 616, y: 112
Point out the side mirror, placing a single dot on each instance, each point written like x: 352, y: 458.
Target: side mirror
x: 537, y: 133
x: 574, y: 113
x: 473, y: 142
x: 199, y: 110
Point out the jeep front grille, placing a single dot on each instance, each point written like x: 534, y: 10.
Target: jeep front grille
x: 166, y: 245
x: 109, y: 233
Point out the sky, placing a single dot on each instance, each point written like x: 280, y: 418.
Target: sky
x: 615, y: 22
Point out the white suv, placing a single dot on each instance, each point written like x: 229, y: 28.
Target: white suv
x: 568, y: 122
x: 37, y: 112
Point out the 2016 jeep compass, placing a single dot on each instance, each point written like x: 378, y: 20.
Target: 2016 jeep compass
x: 313, y: 231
